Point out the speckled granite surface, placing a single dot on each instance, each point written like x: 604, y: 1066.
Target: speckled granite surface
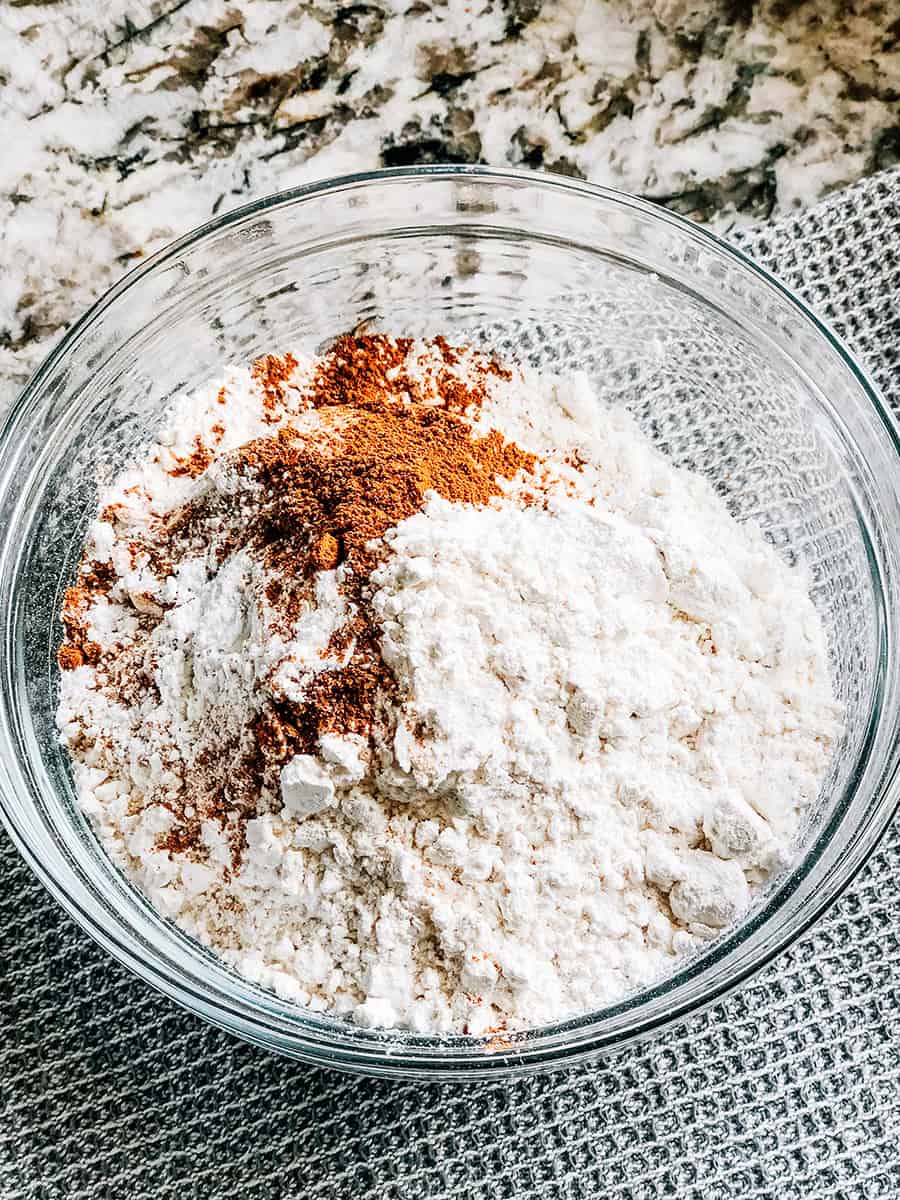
x: 126, y: 123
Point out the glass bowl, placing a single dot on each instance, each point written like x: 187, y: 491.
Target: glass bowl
x: 728, y: 372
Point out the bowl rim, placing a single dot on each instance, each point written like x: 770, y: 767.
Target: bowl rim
x: 447, y: 171
x: 386, y: 1055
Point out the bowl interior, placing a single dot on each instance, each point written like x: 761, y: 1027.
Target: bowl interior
x: 718, y: 366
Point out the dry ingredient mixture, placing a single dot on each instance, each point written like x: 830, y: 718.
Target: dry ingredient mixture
x: 424, y: 690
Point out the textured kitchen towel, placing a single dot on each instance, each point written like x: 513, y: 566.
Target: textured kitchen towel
x: 789, y: 1089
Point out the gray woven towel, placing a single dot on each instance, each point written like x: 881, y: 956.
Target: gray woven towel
x: 790, y: 1089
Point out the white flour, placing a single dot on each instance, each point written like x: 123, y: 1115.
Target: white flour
x: 612, y: 709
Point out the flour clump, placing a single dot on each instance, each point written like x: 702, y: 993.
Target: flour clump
x: 426, y: 691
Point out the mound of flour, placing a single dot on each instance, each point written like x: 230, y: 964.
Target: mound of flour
x: 612, y: 708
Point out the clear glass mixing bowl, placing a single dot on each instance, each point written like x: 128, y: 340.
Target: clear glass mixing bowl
x: 724, y: 368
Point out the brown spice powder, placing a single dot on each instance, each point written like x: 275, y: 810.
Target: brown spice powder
x: 326, y: 499
x: 350, y: 489
x: 94, y: 579
x: 326, y: 553
x: 330, y: 503
x: 69, y: 657
x: 195, y: 463
x: 365, y: 370
x: 271, y: 373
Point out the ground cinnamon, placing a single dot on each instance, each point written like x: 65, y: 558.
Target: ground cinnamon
x: 77, y: 649
x: 353, y: 485
x: 271, y: 373
x: 365, y: 370
x: 332, y: 497
x: 322, y: 500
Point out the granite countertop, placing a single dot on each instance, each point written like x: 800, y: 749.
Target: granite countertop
x: 127, y: 123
